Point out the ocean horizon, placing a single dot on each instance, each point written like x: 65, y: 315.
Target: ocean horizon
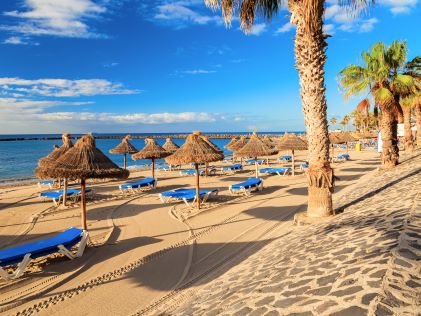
x: 19, y: 158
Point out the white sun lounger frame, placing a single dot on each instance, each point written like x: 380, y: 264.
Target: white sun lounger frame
x: 247, y: 191
x: 168, y: 199
x: 140, y: 189
x: 61, y: 249
x: 73, y: 197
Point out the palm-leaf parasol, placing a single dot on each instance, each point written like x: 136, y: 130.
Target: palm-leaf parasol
x: 216, y: 148
x: 151, y: 151
x: 232, y: 142
x: 195, y: 150
x: 52, y: 157
x: 268, y: 141
x: 239, y: 144
x: 255, y: 148
x: 82, y: 161
x: 334, y: 139
x: 170, y: 146
x: 291, y: 142
x: 345, y: 137
x: 124, y: 148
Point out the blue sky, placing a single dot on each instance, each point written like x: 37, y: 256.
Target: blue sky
x: 170, y: 66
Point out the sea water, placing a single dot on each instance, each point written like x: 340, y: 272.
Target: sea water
x: 18, y: 159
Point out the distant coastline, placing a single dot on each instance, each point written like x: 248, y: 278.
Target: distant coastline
x: 23, y: 137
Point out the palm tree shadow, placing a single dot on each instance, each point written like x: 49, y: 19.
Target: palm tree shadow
x: 376, y: 191
x: 271, y: 213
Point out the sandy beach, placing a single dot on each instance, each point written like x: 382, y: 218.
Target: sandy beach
x: 143, y: 255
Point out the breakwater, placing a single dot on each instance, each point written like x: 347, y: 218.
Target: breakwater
x: 174, y: 136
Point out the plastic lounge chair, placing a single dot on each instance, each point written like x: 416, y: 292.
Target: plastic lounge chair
x: 187, y: 195
x: 57, y: 196
x: 232, y: 168
x: 252, y: 161
x: 50, y: 183
x: 23, y: 254
x: 285, y: 158
x: 191, y: 172
x: 247, y: 186
x: 303, y: 166
x: 278, y: 171
x: 341, y: 158
x: 147, y: 183
x: 164, y: 168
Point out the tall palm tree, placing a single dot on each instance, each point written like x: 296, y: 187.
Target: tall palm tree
x: 310, y: 58
x: 407, y: 104
x: 381, y: 75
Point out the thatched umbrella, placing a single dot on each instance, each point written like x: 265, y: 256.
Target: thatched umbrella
x: 216, y: 148
x: 195, y: 150
x: 82, y: 161
x: 291, y: 142
x: 345, y: 137
x: 124, y: 148
x: 151, y: 151
x: 334, y: 139
x: 255, y: 148
x: 239, y: 144
x: 232, y: 142
x: 170, y: 146
x: 57, y: 153
x: 268, y: 141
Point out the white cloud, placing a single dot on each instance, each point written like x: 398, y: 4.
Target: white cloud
x: 329, y: 29
x: 399, y: 6
x: 285, y: 28
x: 64, y: 18
x: 197, y: 72
x: 16, y: 40
x: 367, y: 25
x: 257, y: 29
x: 36, y: 106
x: 182, y: 13
x: 63, y: 87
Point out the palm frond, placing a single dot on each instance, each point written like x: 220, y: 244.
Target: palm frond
x: 403, y: 85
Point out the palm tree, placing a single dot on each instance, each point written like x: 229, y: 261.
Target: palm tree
x: 407, y: 104
x: 333, y: 121
x: 381, y: 75
x: 310, y: 58
x: 364, y: 109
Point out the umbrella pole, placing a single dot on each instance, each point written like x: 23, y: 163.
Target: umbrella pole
x: 346, y: 147
x: 153, y: 168
x: 206, y: 169
x: 65, y: 192
x: 196, y: 166
x: 257, y: 168
x: 83, y: 203
x: 293, y: 163
x: 124, y: 159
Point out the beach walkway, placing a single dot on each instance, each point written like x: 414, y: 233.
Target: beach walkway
x: 365, y: 261
x: 148, y: 261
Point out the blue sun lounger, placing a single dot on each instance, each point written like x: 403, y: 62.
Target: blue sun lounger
x: 278, y: 171
x: 50, y: 183
x: 57, y: 196
x: 191, y: 172
x: 341, y: 157
x: 23, y: 254
x: 233, y: 168
x: 147, y: 183
x: 285, y: 158
x: 247, y: 186
x: 253, y: 161
x: 303, y: 166
x: 187, y: 195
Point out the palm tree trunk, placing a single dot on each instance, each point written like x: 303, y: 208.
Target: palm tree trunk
x: 390, y: 149
x: 418, y: 119
x: 409, y: 142
x: 310, y: 59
